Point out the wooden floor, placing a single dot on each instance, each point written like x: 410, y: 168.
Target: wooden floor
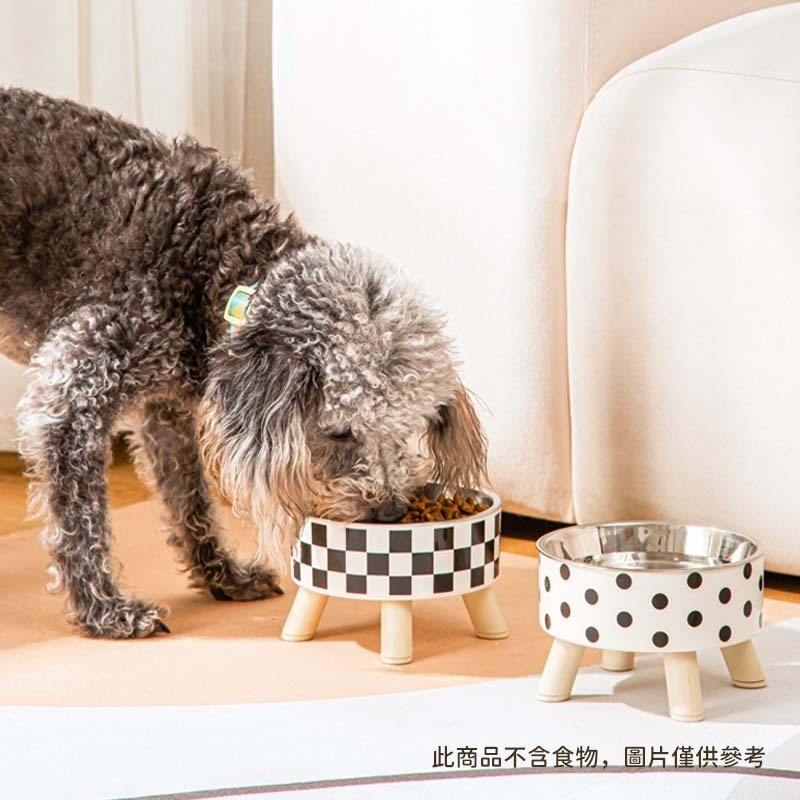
x: 124, y: 488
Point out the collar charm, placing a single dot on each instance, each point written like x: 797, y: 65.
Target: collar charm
x: 238, y: 304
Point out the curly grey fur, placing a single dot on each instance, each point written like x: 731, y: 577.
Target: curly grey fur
x: 118, y: 250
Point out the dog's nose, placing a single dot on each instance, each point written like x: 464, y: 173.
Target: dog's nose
x: 391, y: 510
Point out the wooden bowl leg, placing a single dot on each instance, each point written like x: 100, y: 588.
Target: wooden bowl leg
x: 683, y: 687
x: 397, y: 641
x: 487, y: 620
x: 618, y: 661
x: 304, y: 616
x: 559, y: 672
x: 744, y: 666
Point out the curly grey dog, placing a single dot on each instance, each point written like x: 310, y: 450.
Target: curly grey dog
x: 337, y: 396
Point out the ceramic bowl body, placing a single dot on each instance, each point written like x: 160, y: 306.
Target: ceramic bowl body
x: 372, y: 561
x: 650, y: 586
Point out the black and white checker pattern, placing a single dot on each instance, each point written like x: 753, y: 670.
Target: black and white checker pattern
x: 383, y: 562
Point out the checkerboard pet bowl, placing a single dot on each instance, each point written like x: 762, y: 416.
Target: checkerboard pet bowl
x: 650, y: 587
x: 395, y: 564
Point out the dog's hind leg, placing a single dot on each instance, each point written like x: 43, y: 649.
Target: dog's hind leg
x: 82, y: 375
x: 167, y: 439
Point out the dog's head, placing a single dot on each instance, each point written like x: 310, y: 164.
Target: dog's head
x: 338, y: 397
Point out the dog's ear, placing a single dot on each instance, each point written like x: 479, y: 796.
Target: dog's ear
x: 253, y: 436
x: 458, y: 444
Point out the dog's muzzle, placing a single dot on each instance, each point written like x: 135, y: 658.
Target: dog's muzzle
x: 390, y: 511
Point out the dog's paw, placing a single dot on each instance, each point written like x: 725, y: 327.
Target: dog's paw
x: 251, y: 582
x: 123, y: 618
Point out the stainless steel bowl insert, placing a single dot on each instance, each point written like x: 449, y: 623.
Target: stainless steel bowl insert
x: 649, y: 546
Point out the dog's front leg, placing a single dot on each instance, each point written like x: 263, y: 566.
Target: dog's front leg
x: 85, y: 371
x: 167, y: 438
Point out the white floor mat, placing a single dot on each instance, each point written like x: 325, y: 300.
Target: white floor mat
x: 387, y: 742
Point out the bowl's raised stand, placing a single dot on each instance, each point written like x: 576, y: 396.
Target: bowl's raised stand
x: 395, y: 565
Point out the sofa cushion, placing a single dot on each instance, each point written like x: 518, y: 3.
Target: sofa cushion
x: 683, y: 285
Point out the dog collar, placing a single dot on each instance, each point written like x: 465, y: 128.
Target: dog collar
x: 238, y: 304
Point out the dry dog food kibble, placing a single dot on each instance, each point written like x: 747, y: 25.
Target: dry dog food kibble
x: 423, y: 509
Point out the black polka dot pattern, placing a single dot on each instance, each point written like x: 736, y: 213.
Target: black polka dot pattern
x: 633, y: 610
x: 760, y: 583
x: 660, y: 639
x: 747, y: 571
x: 694, y: 619
x: 660, y: 601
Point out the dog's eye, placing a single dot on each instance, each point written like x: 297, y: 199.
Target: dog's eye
x: 341, y: 436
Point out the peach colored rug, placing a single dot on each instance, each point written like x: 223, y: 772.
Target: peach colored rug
x: 221, y: 652
x: 232, y: 652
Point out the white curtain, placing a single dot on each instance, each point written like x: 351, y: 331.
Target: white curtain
x: 177, y: 66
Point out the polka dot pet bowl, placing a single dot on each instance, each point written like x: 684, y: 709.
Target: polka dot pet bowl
x: 650, y: 587
x: 639, y: 587
x: 395, y: 564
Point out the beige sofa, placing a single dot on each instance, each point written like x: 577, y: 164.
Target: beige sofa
x: 683, y: 286
x: 441, y: 134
